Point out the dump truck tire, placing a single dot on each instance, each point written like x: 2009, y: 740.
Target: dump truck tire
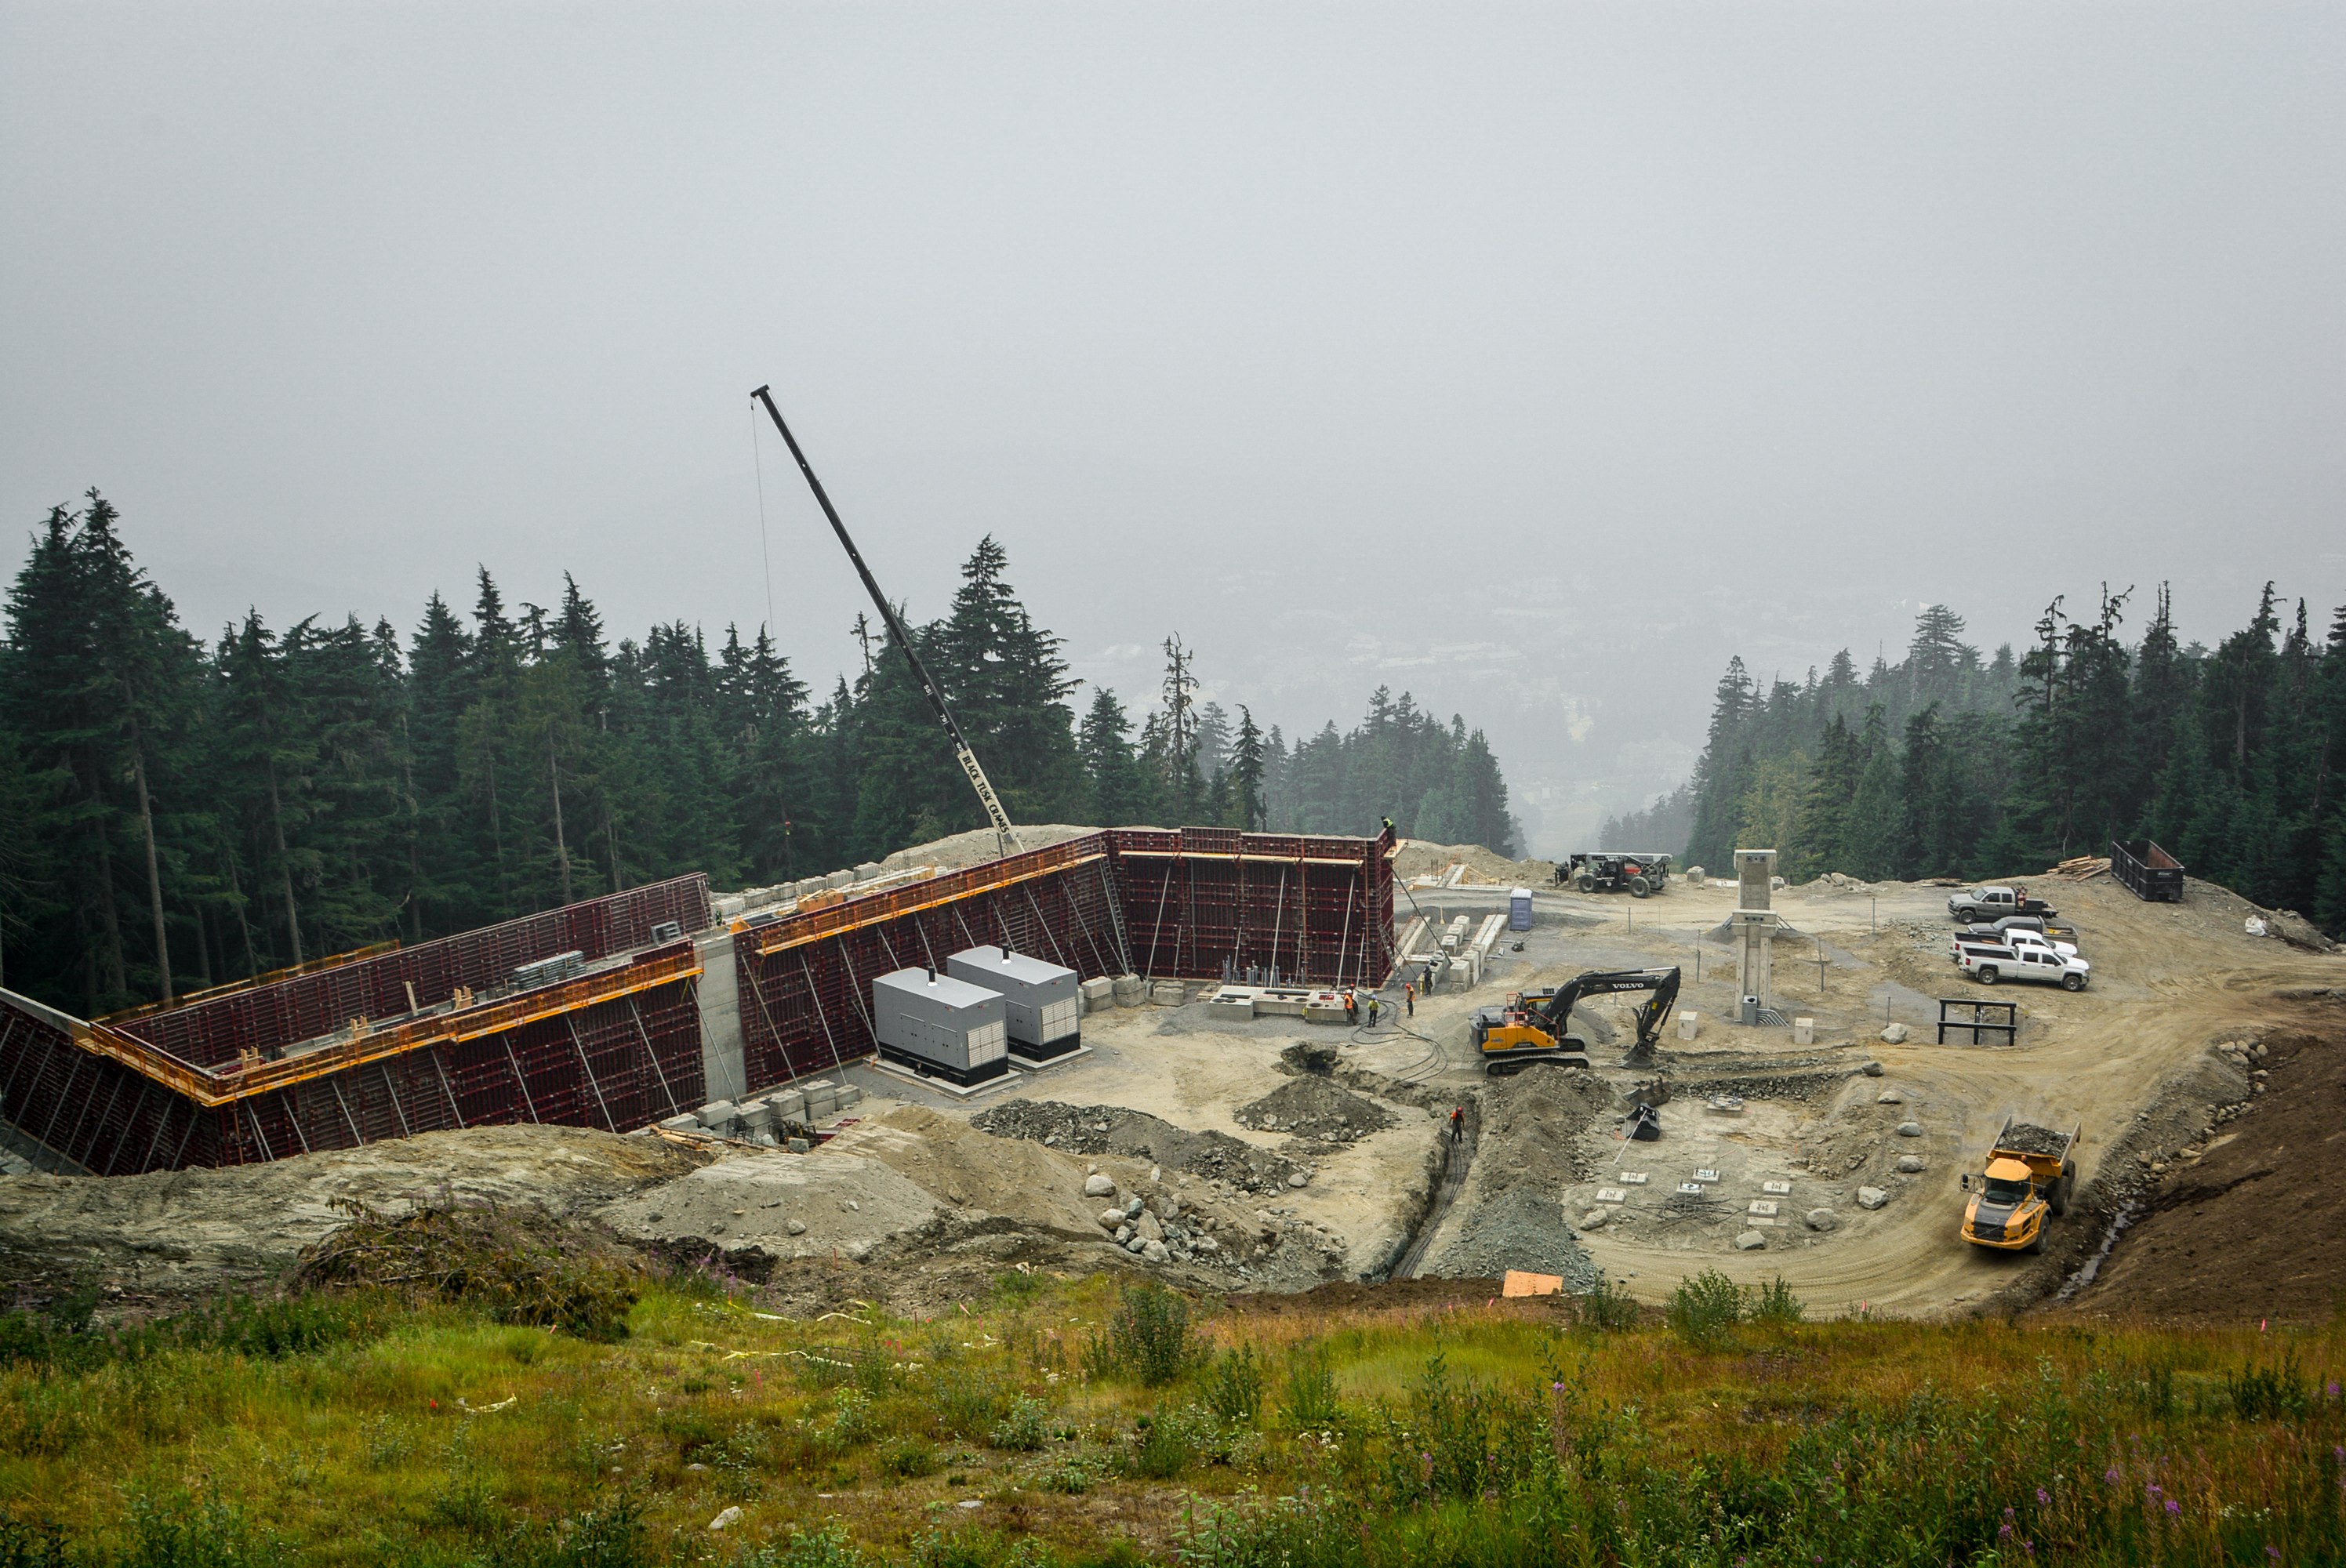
x: 2037, y: 1245
x: 1987, y: 975
x: 1639, y: 887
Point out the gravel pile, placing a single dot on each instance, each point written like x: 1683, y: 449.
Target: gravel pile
x: 1518, y: 1229
x: 2031, y: 1139
x: 1315, y: 1108
x: 1115, y: 1130
x: 1806, y: 1088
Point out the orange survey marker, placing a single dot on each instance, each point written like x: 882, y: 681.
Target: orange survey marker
x: 1519, y: 1283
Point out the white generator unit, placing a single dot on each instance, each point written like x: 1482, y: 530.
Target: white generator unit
x: 1044, y: 1003
x: 940, y: 1027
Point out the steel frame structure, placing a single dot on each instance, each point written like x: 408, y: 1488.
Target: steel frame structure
x: 277, y: 1069
x: 1177, y: 905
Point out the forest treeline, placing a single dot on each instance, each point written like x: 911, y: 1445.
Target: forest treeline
x: 176, y: 813
x: 1947, y: 764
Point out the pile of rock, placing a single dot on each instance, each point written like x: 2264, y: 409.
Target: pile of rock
x: 1095, y: 1130
x: 1160, y: 1230
x: 1317, y: 1109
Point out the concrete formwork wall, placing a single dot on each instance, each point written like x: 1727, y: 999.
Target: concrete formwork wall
x: 210, y: 1031
x: 1167, y: 905
x: 618, y: 1063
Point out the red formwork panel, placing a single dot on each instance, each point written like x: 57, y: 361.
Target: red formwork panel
x: 1196, y: 903
x: 617, y: 1063
x: 211, y: 1032
x: 805, y: 982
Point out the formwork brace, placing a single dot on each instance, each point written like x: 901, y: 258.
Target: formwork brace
x: 657, y: 1071
x: 519, y: 1077
x: 579, y: 1046
x: 345, y: 1105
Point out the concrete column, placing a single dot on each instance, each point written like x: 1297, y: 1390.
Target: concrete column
x: 720, y: 1019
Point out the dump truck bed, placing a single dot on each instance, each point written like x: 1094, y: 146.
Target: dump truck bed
x: 2043, y: 1150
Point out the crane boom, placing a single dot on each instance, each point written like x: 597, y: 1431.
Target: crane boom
x: 1004, y: 834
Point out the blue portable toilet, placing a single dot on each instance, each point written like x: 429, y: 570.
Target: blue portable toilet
x: 1519, y: 909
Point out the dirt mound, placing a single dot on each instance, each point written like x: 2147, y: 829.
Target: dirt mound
x: 193, y: 1231
x: 1348, y: 1296
x: 2254, y: 1227
x: 979, y: 845
x: 1115, y: 1130
x: 839, y: 1202
x: 983, y: 1176
x: 1315, y: 1108
x: 1536, y: 1119
x: 1521, y: 1227
x: 1417, y: 857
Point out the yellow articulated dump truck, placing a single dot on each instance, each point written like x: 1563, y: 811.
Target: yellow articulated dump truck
x: 2028, y: 1181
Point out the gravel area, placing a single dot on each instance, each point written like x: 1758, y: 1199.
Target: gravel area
x: 1115, y: 1130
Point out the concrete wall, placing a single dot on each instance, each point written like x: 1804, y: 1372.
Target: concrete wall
x: 721, y: 1018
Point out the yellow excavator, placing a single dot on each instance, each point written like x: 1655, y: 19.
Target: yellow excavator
x: 1532, y: 1026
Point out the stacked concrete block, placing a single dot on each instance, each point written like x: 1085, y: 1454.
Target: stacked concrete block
x: 848, y: 1097
x: 866, y: 871
x: 756, y: 1115
x: 1168, y: 994
x: 1098, y: 994
x: 717, y: 1116
x: 686, y: 1123
x: 1131, y: 991
x: 789, y: 1105
x: 821, y: 1098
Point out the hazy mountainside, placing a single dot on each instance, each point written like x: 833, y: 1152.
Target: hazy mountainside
x: 1943, y: 764
x: 175, y: 813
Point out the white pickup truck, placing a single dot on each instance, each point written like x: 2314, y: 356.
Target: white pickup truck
x: 1990, y: 963
x: 1988, y: 936
x: 1988, y: 903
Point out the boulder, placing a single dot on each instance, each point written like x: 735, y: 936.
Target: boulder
x: 1893, y: 1034
x: 1138, y: 1246
x: 1824, y: 1219
x: 1133, y: 1206
x: 1910, y: 1129
x: 1890, y: 1098
x: 1868, y: 1197
x: 1871, y: 1069
x: 796, y: 1227
x: 1594, y: 1219
x: 730, y: 1517
x: 1098, y: 1185
x: 1148, y: 1229
x: 1910, y: 1164
x: 1750, y: 1241
x: 1298, y: 1178
x: 1154, y: 1252
x: 1111, y: 1218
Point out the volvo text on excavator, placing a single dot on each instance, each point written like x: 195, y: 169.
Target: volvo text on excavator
x: 1533, y: 1025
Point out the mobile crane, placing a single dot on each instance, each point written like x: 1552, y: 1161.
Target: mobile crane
x: 1531, y: 1027
x: 1006, y: 836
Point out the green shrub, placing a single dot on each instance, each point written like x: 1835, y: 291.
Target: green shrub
x: 30, y: 1543
x: 1308, y: 1402
x: 2269, y: 1393
x: 1073, y: 1476
x: 1149, y: 1338
x: 176, y: 1529
x: 967, y: 1404
x: 1775, y: 1303
x: 1704, y: 1307
x: 1235, y: 1390
x: 1609, y: 1307
x: 517, y: 1266
x: 1024, y: 1427
x: 1170, y: 1440
x: 850, y: 1419
x: 911, y: 1458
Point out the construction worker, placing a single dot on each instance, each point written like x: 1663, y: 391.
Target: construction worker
x: 1351, y: 1006
x: 1408, y: 998
x: 1458, y: 1125
x: 1375, y: 1004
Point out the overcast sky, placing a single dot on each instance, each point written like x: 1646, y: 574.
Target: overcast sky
x: 1534, y: 358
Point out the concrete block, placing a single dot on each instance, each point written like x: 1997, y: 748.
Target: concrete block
x: 1690, y: 1024
x: 1804, y: 1031
x: 685, y: 1123
x: 756, y: 1115
x: 850, y: 1096
x: 790, y: 1105
x: 1168, y: 994
x: 839, y: 879
x: 866, y: 871
x: 716, y: 1114
x: 1097, y: 994
x: 1131, y: 991
x: 1230, y: 1001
